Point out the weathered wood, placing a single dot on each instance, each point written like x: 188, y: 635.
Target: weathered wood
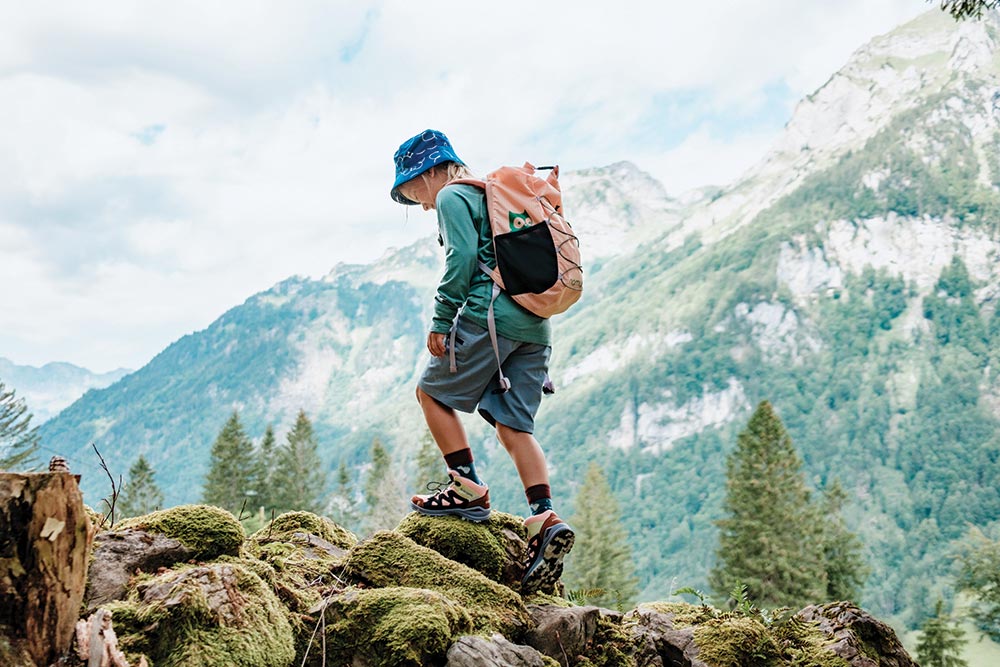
x: 45, y: 539
x: 97, y: 643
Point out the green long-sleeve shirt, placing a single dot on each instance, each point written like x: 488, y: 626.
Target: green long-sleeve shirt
x: 465, y: 230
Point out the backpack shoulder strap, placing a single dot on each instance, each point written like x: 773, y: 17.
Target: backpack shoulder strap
x: 478, y: 182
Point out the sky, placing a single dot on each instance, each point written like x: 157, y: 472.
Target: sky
x: 161, y: 162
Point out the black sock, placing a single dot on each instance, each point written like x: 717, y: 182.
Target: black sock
x: 462, y: 463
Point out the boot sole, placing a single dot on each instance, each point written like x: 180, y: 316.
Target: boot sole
x: 473, y: 514
x: 547, y: 570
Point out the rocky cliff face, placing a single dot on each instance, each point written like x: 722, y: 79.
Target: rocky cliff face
x: 929, y: 58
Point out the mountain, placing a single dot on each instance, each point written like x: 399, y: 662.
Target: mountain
x: 49, y: 389
x: 850, y: 278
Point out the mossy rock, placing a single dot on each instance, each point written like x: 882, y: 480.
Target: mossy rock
x: 96, y: 519
x: 494, y: 547
x: 209, y: 531
x: 388, y: 559
x: 391, y: 627
x: 540, y: 597
x: 301, y: 571
x: 261, y: 568
x: 734, y: 641
x: 205, y: 616
x: 682, y: 614
x: 283, y: 527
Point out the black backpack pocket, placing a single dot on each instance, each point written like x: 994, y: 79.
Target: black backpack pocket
x: 527, y: 260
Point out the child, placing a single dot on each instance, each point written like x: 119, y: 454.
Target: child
x: 462, y: 373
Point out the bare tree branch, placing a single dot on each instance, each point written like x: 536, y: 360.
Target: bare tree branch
x: 115, y: 489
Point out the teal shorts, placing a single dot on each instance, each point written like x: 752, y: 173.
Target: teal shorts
x: 476, y: 382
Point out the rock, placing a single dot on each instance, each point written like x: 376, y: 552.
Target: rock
x: 562, y: 632
x: 286, y: 525
x: 857, y: 636
x: 118, y: 555
x: 302, y: 564
x: 208, y: 531
x: 658, y: 642
x: 389, y: 626
x: 199, y: 616
x: 495, y: 547
x: 475, y: 651
x: 389, y: 559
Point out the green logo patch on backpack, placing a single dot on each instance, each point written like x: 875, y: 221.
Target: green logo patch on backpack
x: 519, y: 220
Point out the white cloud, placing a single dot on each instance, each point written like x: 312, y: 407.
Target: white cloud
x: 686, y: 167
x: 163, y: 161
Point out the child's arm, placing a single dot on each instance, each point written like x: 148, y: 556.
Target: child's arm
x: 461, y: 242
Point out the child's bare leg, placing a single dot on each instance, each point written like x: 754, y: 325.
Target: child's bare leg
x: 444, y: 424
x: 527, y: 454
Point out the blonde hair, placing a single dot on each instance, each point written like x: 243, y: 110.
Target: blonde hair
x: 456, y: 171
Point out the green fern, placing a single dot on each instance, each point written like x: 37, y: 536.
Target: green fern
x: 581, y: 596
x: 688, y: 590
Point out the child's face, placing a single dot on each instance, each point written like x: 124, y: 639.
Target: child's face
x: 417, y: 190
x: 424, y: 188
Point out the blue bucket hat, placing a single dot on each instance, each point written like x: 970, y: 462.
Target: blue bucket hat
x: 417, y: 155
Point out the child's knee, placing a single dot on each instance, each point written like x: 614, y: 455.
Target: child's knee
x: 508, y: 436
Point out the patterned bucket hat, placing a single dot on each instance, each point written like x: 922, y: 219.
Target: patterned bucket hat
x: 417, y: 155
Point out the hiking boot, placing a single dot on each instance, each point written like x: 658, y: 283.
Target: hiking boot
x: 549, y: 540
x: 462, y: 497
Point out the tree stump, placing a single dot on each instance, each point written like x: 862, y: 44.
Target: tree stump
x: 45, y: 538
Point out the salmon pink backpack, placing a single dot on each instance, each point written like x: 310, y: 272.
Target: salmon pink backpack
x: 538, y: 255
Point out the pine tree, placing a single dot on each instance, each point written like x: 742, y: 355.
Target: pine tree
x: 230, y: 476
x: 264, y: 461
x: 846, y: 570
x: 141, y: 495
x: 968, y: 9
x: 299, y: 480
x: 601, y: 567
x: 343, y: 505
x: 941, y: 641
x: 18, y: 439
x: 429, y: 462
x: 980, y: 575
x: 770, y: 539
x: 383, y: 493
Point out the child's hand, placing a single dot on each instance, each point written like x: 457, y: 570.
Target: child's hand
x: 435, y: 344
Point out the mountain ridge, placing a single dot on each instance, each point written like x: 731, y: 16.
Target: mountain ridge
x: 49, y: 388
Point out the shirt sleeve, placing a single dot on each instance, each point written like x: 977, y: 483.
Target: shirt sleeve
x: 461, y: 244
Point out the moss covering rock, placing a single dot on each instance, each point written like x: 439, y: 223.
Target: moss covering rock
x: 391, y: 627
x: 407, y: 597
x: 495, y: 547
x: 389, y: 559
x: 285, y: 526
x: 301, y: 573
x: 205, y: 616
x: 208, y: 531
x: 96, y: 519
x: 703, y: 635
